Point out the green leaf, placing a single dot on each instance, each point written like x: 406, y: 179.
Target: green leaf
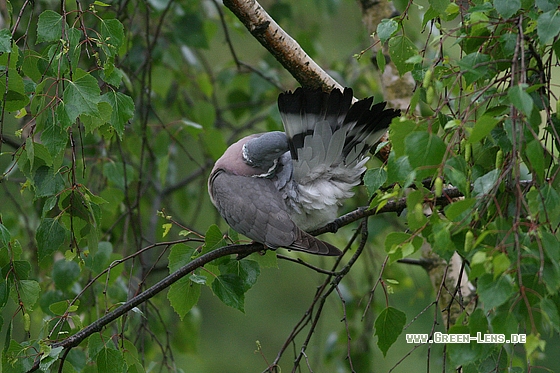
x: 460, y: 209
x: 507, y: 8
x: 399, y: 245
x: 521, y: 99
x: 388, y: 326
x: 213, y: 140
x: 74, y: 40
x: 183, y: 296
x: 532, y: 343
x: 112, y: 34
x: 247, y: 270
x: 425, y: 152
x: 199, y: 279
x: 179, y: 256
x: 15, y: 96
x: 535, y: 154
x: 230, y: 289
x: 110, y: 361
x: 65, y: 273
x: 54, y: 137
x: 75, y: 204
x: 550, y: 313
x: 28, y: 293
x: 484, y: 184
x: 213, y: 239
x: 463, y: 353
x: 507, y: 324
x: 30, y: 150
x: 60, y: 308
x: 47, y: 183
x: 500, y: 263
x: 494, y: 292
x: 480, y: 263
x: 5, y: 41
x: 440, y: 239
x: 113, y: 75
x: 49, y: 359
x: 551, y: 203
x: 551, y: 245
x: 546, y: 5
x: 415, y: 210
x: 401, y: 49
x: 15, y: 358
x: 482, y: 127
x: 456, y: 171
x: 81, y: 96
x: 95, y: 345
x: 4, y: 293
x: 50, y: 236
x: 439, y: 6
x: 386, y: 28
x: 548, y: 26
x: 398, y: 132
x: 49, y: 26
x: 5, y: 236
x: 430, y: 14
x: 400, y: 171
x: 380, y: 60
x: 474, y: 66
x: 374, y: 179
x: 92, y: 123
x: 119, y: 174
x: 21, y: 269
x: 101, y: 259
x: 123, y: 110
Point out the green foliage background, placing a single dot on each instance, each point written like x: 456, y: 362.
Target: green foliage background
x: 112, y: 114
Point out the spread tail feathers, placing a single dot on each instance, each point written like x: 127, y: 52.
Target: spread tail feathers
x: 331, y: 125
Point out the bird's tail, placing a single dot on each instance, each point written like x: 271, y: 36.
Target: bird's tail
x: 326, y: 130
x: 309, y: 244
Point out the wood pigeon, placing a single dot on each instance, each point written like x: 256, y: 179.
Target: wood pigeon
x: 273, y: 187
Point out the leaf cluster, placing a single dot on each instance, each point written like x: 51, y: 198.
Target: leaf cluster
x: 483, y: 119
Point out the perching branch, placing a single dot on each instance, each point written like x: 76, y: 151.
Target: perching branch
x: 392, y: 205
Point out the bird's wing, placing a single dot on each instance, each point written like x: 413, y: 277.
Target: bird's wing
x: 253, y: 207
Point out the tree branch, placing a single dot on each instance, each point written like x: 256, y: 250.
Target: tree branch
x: 392, y: 205
x: 97, y: 325
x: 281, y: 45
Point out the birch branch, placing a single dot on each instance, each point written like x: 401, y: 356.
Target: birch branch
x: 281, y: 45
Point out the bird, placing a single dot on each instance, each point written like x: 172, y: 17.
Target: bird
x: 274, y: 187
